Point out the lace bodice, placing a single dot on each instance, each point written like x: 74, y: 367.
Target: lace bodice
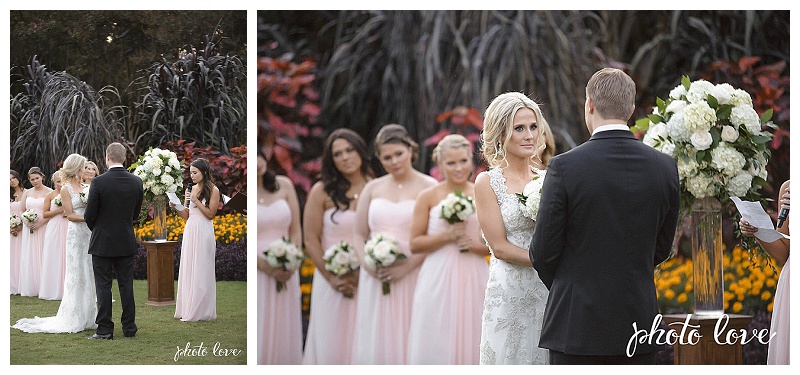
x: 519, y: 229
x: 78, y: 205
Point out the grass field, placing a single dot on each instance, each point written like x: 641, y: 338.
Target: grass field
x: 157, y: 342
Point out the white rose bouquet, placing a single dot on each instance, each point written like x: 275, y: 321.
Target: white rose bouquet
x: 84, y: 194
x: 160, y: 171
x: 530, y: 197
x: 340, y: 259
x: 15, y: 221
x: 57, y: 200
x: 456, y: 207
x: 283, y: 253
x: 30, y: 216
x: 381, y: 251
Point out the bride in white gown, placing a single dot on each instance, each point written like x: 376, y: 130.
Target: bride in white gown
x: 517, y: 143
x: 78, y: 308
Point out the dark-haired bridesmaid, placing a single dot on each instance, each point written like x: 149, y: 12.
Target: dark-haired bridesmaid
x: 16, y: 232
x: 328, y: 219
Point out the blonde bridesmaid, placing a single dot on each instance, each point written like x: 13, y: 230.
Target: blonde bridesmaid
x: 54, y: 266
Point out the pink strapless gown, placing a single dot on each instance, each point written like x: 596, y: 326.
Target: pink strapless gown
x: 778, y: 352
x: 15, y: 251
x: 280, y: 326
x: 197, y: 281
x: 333, y: 317
x: 54, y: 257
x: 446, y: 318
x: 30, y: 265
x: 382, y: 321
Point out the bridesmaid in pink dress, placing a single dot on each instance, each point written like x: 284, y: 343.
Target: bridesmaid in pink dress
x: 16, y: 233
x: 54, y: 253
x: 448, y: 303
x: 280, y: 327
x: 386, y: 206
x: 197, y: 282
x: 778, y: 350
x: 327, y: 220
x: 32, y: 234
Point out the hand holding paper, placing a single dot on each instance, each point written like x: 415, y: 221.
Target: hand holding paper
x: 753, y: 213
x: 175, y: 200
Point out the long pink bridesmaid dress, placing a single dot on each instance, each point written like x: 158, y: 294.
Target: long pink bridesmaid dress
x: 280, y: 327
x: 333, y: 317
x: 15, y: 251
x: 197, y: 281
x: 382, y: 321
x: 54, y: 257
x: 778, y: 350
x: 448, y: 302
x: 30, y: 267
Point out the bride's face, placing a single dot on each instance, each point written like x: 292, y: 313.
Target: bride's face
x: 456, y: 163
x: 524, y: 134
x: 395, y: 157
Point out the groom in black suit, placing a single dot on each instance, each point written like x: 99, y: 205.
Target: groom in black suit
x: 607, y: 217
x: 115, y: 198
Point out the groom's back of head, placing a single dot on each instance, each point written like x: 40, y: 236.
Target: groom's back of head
x: 613, y: 93
x: 115, y: 153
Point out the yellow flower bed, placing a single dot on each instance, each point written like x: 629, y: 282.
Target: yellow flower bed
x: 228, y: 228
x: 749, y: 284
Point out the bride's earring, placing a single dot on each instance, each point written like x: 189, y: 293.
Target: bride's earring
x: 499, y: 149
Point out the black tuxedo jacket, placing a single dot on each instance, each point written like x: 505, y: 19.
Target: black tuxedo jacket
x: 115, y: 198
x: 607, y: 217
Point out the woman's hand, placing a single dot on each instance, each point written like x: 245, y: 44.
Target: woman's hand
x: 747, y: 229
x: 396, y: 271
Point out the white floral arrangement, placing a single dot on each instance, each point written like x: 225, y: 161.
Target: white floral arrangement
x: 716, y: 137
x: 160, y: 171
x: 382, y: 250
x: 30, y: 216
x: 57, y: 200
x: 456, y: 207
x: 15, y: 221
x: 284, y: 254
x: 531, y: 197
x: 84, y: 194
x: 341, y: 259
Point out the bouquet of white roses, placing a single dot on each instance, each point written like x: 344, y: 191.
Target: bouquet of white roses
x: 57, y: 200
x: 456, y: 207
x: 84, y: 194
x: 381, y: 251
x: 716, y: 137
x: 30, y: 216
x: 283, y: 253
x: 340, y: 259
x: 15, y: 221
x: 530, y: 197
x: 160, y: 171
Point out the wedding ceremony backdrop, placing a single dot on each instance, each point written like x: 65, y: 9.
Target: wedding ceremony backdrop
x: 173, y: 82
x: 436, y: 71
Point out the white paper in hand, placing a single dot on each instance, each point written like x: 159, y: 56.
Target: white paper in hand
x: 753, y: 213
x: 174, y: 199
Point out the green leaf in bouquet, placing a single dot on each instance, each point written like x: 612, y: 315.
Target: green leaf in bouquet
x: 642, y: 124
x: 724, y: 112
x: 716, y: 136
x: 686, y: 82
x: 698, y: 157
x: 712, y: 101
x: 661, y: 104
x: 766, y: 116
x: 760, y: 139
x: 655, y: 118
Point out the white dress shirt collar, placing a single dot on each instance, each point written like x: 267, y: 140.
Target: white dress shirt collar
x: 611, y: 127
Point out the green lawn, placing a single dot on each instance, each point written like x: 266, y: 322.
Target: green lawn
x: 157, y: 342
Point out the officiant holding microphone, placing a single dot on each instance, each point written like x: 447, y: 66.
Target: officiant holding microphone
x: 197, y: 289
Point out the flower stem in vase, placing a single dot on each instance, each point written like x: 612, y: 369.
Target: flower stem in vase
x: 385, y: 288
x: 279, y: 286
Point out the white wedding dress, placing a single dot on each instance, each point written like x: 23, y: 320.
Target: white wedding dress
x: 78, y: 309
x: 513, y: 309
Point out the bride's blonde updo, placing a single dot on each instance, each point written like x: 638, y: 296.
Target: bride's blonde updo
x: 498, y: 121
x: 73, y: 165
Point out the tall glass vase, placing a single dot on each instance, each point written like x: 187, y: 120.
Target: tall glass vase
x: 707, y: 257
x: 160, y: 217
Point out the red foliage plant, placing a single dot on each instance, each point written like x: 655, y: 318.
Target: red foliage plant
x: 289, y: 110
x: 230, y: 171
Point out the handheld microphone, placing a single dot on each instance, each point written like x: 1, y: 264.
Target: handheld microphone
x: 782, y: 216
x: 188, y: 190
